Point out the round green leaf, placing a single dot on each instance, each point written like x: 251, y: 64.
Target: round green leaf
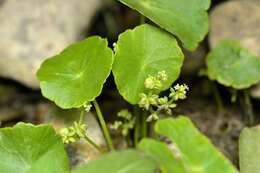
x: 192, y: 150
x: 32, y: 149
x: 77, y: 74
x: 187, y: 19
x: 233, y: 66
x: 141, y: 52
x: 128, y: 161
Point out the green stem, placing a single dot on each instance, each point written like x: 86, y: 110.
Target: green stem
x: 142, y: 19
x: 93, y: 143
x: 144, y: 125
x: 137, y: 126
x: 233, y: 95
x: 103, y: 126
x: 217, y: 97
x: 81, y: 117
x: 248, y: 107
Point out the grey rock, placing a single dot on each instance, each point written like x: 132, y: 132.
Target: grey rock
x: 256, y: 91
x: 32, y: 30
x: 238, y: 20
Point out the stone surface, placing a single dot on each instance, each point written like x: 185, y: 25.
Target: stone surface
x: 32, y: 30
x: 239, y: 20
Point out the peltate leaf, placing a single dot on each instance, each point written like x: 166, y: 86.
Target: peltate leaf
x: 77, y: 74
x: 233, y: 66
x: 141, y: 52
x: 32, y: 149
x: 187, y: 19
x: 128, y: 161
x: 193, y: 152
x: 249, y: 150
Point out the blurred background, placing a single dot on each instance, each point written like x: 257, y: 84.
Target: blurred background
x: 33, y: 30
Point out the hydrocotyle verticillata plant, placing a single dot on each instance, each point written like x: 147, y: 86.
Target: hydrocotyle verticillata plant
x: 76, y: 76
x: 38, y: 149
x: 187, y: 19
x: 233, y: 66
x: 26, y: 148
x: 147, y: 61
x: 143, y: 51
x: 188, y: 150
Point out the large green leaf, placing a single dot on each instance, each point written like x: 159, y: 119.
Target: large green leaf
x: 187, y: 19
x: 160, y: 152
x: 141, y: 52
x: 192, y: 151
x: 77, y: 74
x: 128, y: 161
x: 249, y: 150
x: 233, y: 66
x: 32, y: 149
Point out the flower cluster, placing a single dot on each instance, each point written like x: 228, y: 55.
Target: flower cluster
x: 155, y: 82
x: 155, y: 104
x: 125, y: 122
x: 178, y: 92
x: 73, y: 133
x: 87, y: 107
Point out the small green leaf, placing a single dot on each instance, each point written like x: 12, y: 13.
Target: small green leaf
x: 161, y: 153
x: 32, y: 149
x: 233, y: 66
x: 144, y: 51
x: 76, y: 76
x: 187, y: 19
x: 249, y: 150
x: 193, y: 150
x: 128, y: 161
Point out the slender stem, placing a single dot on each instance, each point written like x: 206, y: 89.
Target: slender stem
x: 248, y: 107
x: 137, y: 126
x: 217, y: 97
x: 81, y: 117
x: 103, y: 126
x: 144, y: 125
x: 93, y: 143
x: 142, y: 19
x: 233, y: 95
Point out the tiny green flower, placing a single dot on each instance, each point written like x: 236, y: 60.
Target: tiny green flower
x: 125, y: 114
x: 162, y: 75
x: 178, y: 92
x: 87, y: 107
x: 116, y: 125
x: 125, y: 123
x: 163, y: 100
x: 73, y: 133
x: 153, y: 117
x: 149, y: 82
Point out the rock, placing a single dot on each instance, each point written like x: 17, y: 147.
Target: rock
x: 238, y: 20
x: 32, y: 30
x: 256, y: 91
x: 7, y: 93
